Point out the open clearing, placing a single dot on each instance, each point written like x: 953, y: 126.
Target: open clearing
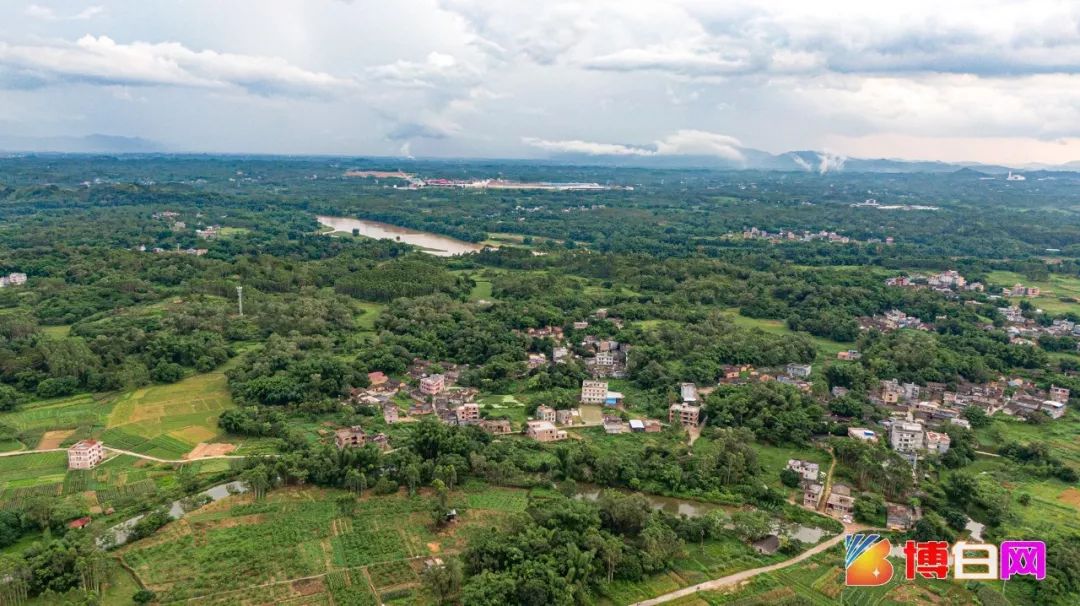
x: 1060, y: 294
x: 168, y: 421
x: 209, y: 450
x: 827, y: 349
x: 53, y: 439
x: 365, y: 553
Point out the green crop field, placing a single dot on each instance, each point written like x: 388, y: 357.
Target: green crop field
x: 30, y: 470
x: 220, y: 550
x: 61, y: 413
x: 1060, y: 293
x: 167, y: 421
x: 1059, y: 434
x: 819, y: 582
x: 827, y: 349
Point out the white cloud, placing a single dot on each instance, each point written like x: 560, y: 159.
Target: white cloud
x: 101, y: 60
x: 803, y: 164
x: 437, y: 69
x: 591, y: 148
x: 1046, y: 105
x: 747, y: 37
x: 829, y: 161
x: 472, y: 77
x: 680, y: 143
x: 677, y: 59
x: 46, y: 13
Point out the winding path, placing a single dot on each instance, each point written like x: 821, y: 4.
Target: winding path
x: 745, y: 575
x: 739, y: 577
x: 16, y: 453
x: 823, y: 500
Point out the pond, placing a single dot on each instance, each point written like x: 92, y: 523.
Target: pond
x: 440, y: 246
x: 121, y: 531
x: 693, y: 509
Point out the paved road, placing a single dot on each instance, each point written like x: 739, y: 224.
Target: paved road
x: 739, y: 577
x: 823, y: 500
x: 155, y: 459
x: 127, y: 452
x: 15, y: 453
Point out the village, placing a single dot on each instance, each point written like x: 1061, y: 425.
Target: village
x: 753, y: 233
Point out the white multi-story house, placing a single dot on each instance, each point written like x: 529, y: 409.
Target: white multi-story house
x: 799, y: 370
x: 906, y: 436
x: 937, y: 442
x: 85, y: 454
x: 593, y: 392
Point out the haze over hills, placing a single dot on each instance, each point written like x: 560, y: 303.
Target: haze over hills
x: 751, y: 159
x: 88, y: 144
x: 801, y: 160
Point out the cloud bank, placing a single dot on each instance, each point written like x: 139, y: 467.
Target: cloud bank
x: 524, y: 79
x: 680, y: 143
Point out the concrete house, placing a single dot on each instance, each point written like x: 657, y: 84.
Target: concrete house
x: 496, y: 426
x: 899, y: 517
x: 85, y: 454
x: 937, y: 442
x: 684, y: 414
x: 862, y: 433
x: 348, y: 437
x: 566, y: 417
x: 1059, y: 394
x: 812, y: 495
x: 593, y: 392
x: 544, y: 431
x: 468, y: 413
x: 546, y: 413
x: 390, y: 413
x: 432, y: 385
x: 807, y: 470
x: 906, y: 436
x: 801, y: 371
x: 840, y: 503
x: 613, y: 425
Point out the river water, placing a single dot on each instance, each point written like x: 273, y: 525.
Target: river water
x: 440, y: 246
x: 693, y: 509
x: 121, y: 531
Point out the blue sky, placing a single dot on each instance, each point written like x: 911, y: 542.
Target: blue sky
x: 987, y: 81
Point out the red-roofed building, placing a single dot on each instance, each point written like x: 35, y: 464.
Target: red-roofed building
x: 85, y: 454
x: 79, y: 523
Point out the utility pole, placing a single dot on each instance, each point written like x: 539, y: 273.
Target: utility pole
x: 240, y: 299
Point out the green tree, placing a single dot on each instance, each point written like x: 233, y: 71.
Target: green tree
x: 443, y: 583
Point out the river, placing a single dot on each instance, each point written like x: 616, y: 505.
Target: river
x: 440, y: 246
x: 121, y: 531
x: 693, y: 509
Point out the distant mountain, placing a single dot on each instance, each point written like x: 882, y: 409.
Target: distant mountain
x: 89, y: 144
x: 798, y: 161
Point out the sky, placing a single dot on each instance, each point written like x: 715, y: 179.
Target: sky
x: 986, y: 81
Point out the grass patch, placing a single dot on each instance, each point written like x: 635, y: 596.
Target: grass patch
x: 366, y: 321
x: 187, y: 408
x: 827, y: 348
x: 60, y: 413
x: 56, y: 332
